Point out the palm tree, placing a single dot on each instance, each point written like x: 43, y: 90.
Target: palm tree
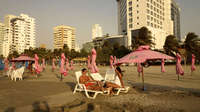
x: 144, y: 38
x: 171, y: 45
x: 191, y: 44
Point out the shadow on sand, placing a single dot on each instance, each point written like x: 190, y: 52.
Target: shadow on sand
x: 10, y: 109
x: 41, y: 106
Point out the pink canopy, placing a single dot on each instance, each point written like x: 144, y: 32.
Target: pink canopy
x: 111, y: 61
x: 53, y: 64
x: 89, y: 65
x: 142, y: 54
x: 62, y: 70
x: 193, y: 68
x: 94, y: 68
x: 6, y: 64
x: 37, y: 67
x: 23, y: 58
x: 163, y: 66
x: 179, y: 69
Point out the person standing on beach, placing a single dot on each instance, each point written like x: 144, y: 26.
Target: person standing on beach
x: 120, y: 75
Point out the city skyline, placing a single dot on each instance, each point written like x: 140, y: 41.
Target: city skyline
x: 82, y: 15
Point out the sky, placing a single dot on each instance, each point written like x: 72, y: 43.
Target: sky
x: 82, y: 14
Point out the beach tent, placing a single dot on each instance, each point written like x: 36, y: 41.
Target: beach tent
x: 23, y: 58
x: 141, y: 55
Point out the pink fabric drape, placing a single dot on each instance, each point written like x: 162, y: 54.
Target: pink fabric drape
x: 72, y: 65
x: 193, y: 68
x: 67, y: 65
x: 163, y: 66
x: 179, y: 69
x: 115, y: 60
x: 139, y: 68
x: 89, y: 64
x: 111, y: 62
x: 53, y: 64
x: 62, y: 70
x: 6, y: 64
x: 43, y: 63
x: 94, y: 68
x: 37, y: 67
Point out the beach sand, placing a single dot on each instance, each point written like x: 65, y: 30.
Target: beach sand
x: 163, y: 92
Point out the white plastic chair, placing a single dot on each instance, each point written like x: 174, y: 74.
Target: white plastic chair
x: 18, y: 73
x: 97, y: 76
x: 112, y: 77
x: 82, y: 87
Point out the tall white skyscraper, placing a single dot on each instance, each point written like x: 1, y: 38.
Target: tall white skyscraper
x: 156, y: 15
x: 20, y: 33
x: 96, y: 31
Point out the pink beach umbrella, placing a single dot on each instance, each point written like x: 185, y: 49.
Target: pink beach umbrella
x: 62, y: 70
x: 179, y: 69
x: 67, y: 65
x: 43, y: 63
x: 37, y: 67
x: 53, y: 64
x: 111, y: 62
x: 141, y: 55
x: 71, y: 65
x: 115, y: 60
x: 6, y: 64
x: 163, y: 66
x: 193, y: 68
x: 89, y: 64
x: 94, y: 68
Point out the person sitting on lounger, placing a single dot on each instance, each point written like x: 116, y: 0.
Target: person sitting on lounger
x: 120, y: 75
x: 89, y: 82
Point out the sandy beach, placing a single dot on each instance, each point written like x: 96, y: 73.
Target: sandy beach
x: 163, y: 92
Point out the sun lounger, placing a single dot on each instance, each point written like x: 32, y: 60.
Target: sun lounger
x: 82, y: 87
x: 97, y: 76
x: 112, y: 77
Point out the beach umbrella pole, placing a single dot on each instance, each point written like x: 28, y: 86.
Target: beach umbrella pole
x: 142, y: 78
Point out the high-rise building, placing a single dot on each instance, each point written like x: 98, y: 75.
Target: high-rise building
x: 175, y: 16
x: 2, y: 33
x: 64, y: 35
x: 96, y: 31
x: 20, y: 33
x: 153, y: 14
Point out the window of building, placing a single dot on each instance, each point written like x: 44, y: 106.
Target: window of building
x: 148, y: 23
x: 137, y: 17
x: 130, y: 3
x: 137, y: 5
x: 130, y: 14
x: 131, y: 20
x: 130, y: 26
x: 137, y: 11
x: 148, y: 17
x: 130, y: 8
x: 138, y: 24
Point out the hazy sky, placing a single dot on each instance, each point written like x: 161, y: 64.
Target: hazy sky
x: 82, y: 14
